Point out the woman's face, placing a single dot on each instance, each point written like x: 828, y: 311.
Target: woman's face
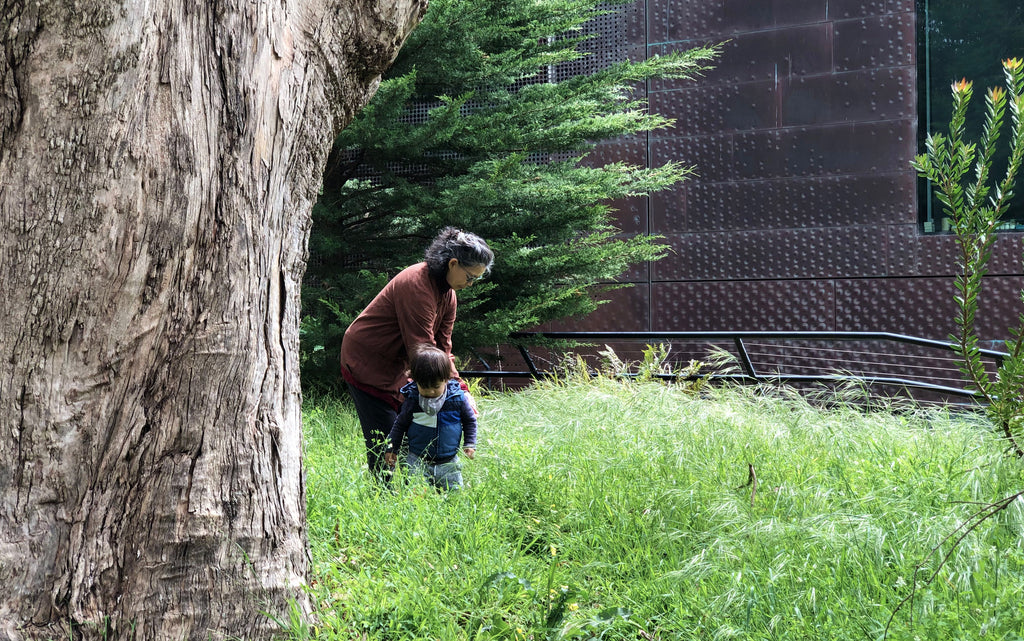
x: 460, y: 277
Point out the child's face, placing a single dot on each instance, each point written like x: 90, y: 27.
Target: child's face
x: 431, y: 390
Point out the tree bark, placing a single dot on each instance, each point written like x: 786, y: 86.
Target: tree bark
x: 158, y: 164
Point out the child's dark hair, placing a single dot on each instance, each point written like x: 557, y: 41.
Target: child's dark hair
x: 429, y: 365
x: 469, y: 249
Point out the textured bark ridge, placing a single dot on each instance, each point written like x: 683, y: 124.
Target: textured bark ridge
x: 158, y: 164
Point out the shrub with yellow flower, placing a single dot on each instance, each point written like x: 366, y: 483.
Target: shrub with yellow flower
x: 975, y: 203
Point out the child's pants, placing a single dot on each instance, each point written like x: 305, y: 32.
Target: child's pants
x: 445, y: 476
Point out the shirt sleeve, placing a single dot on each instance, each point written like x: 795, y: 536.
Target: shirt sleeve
x: 468, y: 425
x: 401, y: 425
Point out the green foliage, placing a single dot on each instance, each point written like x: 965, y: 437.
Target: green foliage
x: 548, y: 609
x: 655, y: 364
x: 975, y: 203
x: 472, y: 128
x: 601, y: 508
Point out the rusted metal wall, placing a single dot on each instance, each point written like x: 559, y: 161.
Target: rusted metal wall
x: 804, y: 213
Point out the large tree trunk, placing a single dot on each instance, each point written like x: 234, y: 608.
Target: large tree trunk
x: 158, y: 164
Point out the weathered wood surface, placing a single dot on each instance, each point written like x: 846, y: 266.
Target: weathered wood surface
x: 158, y: 164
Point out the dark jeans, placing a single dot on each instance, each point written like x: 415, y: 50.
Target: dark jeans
x: 376, y: 418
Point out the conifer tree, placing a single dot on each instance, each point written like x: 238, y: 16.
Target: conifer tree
x: 474, y: 126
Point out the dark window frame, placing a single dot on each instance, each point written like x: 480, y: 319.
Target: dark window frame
x: 961, y: 42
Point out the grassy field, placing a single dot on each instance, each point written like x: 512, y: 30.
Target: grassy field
x: 599, y: 509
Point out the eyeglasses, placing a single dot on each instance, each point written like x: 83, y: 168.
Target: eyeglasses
x: 470, y: 278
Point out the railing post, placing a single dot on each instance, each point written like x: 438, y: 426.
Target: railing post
x: 529, y: 361
x: 748, y: 366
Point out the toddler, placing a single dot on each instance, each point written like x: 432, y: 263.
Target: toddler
x: 438, y: 418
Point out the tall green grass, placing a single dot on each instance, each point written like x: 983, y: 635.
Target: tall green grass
x: 602, y: 509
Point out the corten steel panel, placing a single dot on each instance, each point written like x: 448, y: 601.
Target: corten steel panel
x: 639, y: 273
x: 1000, y: 306
x: 829, y: 252
x: 596, y: 59
x: 886, y: 41
x: 747, y: 15
x: 626, y: 310
x: 861, y: 96
x: 920, y: 307
x: 743, y: 306
x: 630, y: 149
x: 784, y: 203
x: 1006, y: 254
x: 629, y: 215
x: 790, y: 12
x: 742, y: 15
x: 634, y: 24
x: 842, y: 9
x: 762, y: 55
x: 804, y: 50
x: 743, y: 57
x: 711, y: 156
x: 912, y: 254
x: 825, y: 150
x: 712, y: 109
x: 925, y: 306
x: 668, y: 209
x: 675, y: 20
x: 915, y: 254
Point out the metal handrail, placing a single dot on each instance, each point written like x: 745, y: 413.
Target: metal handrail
x: 520, y: 339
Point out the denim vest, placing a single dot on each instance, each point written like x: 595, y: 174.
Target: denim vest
x: 436, y: 438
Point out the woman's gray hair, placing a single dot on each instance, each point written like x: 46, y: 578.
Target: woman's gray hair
x: 469, y: 249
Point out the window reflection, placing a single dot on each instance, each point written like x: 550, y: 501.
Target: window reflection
x: 964, y: 39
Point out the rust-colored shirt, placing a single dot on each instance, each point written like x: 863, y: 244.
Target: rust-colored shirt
x: 413, y: 308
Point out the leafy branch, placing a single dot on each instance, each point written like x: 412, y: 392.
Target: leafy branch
x: 975, y: 209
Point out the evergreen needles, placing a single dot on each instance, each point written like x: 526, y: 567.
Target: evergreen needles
x: 479, y: 125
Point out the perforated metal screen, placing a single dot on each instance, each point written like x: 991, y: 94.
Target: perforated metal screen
x: 614, y: 35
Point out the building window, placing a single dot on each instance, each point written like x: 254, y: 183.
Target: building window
x: 964, y: 39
